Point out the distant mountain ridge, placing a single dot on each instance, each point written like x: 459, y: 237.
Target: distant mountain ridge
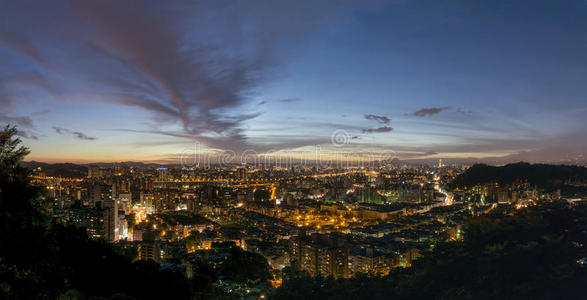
x: 133, y: 164
x: 72, y: 170
x: 68, y: 170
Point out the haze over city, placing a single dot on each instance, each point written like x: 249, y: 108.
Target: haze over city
x: 107, y: 81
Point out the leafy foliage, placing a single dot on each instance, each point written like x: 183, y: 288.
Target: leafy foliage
x: 241, y: 266
x: 262, y: 195
x: 182, y: 218
x: 11, y: 152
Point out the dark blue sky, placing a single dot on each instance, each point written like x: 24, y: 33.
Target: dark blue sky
x: 420, y: 79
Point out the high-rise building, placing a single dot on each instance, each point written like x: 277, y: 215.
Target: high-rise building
x: 100, y: 192
x: 163, y: 174
x: 368, y: 195
x: 89, y: 218
x: 110, y: 211
x: 319, y: 257
x: 369, y: 262
x: 125, y: 202
x: 149, y: 201
x: 242, y: 174
x: 503, y: 195
x: 149, y: 248
x: 334, y: 261
x: 94, y: 172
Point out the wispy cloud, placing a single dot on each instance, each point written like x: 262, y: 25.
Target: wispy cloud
x: 379, y: 119
x: 430, y: 111
x: 377, y: 130
x: 465, y: 112
x: 179, y: 65
x: 27, y: 134
x: 290, y: 100
x: 76, y: 134
x: 21, y: 122
x: 278, y: 142
x: 41, y: 112
x: 20, y: 45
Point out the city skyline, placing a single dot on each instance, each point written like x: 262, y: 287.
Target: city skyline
x: 416, y: 80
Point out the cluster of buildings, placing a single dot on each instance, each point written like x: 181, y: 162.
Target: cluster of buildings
x: 335, y: 256
x: 520, y: 194
x: 328, y: 222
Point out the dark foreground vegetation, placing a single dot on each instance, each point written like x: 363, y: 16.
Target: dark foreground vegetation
x: 42, y: 260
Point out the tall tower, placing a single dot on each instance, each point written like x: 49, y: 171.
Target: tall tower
x: 110, y: 220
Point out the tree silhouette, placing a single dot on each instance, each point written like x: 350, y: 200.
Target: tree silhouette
x: 44, y: 260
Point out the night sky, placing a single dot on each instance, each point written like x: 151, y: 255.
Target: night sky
x: 89, y: 81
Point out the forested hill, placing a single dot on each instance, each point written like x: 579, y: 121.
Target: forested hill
x: 58, y: 170
x: 541, y: 175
